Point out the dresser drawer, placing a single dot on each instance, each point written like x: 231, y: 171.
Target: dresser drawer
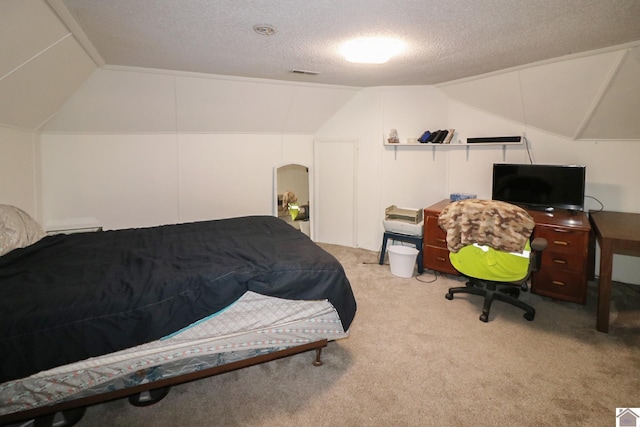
x: 434, y: 235
x: 562, y: 261
x: 436, y: 258
x: 564, y: 285
x: 564, y: 240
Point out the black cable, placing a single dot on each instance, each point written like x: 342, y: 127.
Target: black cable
x: 526, y: 144
x: 599, y: 202
x: 435, y: 278
x: 631, y: 287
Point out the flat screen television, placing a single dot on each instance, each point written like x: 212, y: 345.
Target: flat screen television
x: 540, y: 187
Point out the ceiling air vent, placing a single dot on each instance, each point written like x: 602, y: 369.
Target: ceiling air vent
x: 307, y: 72
x: 264, y: 29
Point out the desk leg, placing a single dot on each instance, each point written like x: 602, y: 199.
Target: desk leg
x: 604, y: 286
x: 384, y: 248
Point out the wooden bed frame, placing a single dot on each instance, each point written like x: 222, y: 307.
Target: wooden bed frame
x: 48, y: 412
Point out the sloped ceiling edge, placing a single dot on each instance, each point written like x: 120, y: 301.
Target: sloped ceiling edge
x: 115, y: 101
x: 588, y: 97
x: 42, y: 85
x: 42, y: 64
x: 617, y: 115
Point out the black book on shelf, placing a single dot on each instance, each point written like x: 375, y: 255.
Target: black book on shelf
x: 434, y: 136
x: 441, y: 136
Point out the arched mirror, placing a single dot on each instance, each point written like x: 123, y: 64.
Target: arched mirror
x: 292, y: 196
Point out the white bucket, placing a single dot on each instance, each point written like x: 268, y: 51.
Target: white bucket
x: 401, y: 260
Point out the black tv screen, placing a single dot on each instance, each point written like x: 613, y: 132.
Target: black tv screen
x: 544, y: 187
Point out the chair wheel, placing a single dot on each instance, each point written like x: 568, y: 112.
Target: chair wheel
x: 67, y: 418
x: 529, y: 316
x: 484, y: 317
x: 150, y: 397
x: 449, y: 296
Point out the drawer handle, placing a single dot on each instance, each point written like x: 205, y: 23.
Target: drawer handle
x: 440, y: 259
x: 560, y: 242
x: 555, y: 282
x: 559, y: 261
x: 440, y: 240
x: 560, y: 230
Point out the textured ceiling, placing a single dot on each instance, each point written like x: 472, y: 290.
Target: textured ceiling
x: 447, y: 39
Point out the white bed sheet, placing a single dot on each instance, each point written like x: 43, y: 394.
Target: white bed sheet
x: 253, y: 325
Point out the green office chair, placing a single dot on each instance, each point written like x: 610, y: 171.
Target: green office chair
x: 488, y: 242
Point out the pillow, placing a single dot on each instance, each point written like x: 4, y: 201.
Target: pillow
x: 17, y: 229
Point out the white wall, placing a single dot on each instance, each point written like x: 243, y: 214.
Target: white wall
x: 470, y: 169
x: 118, y: 181
x: 612, y: 182
x: 150, y: 101
x: 228, y: 175
x: 114, y: 168
x: 41, y: 64
x: 420, y: 176
x: 137, y: 148
x: 410, y: 176
x: 591, y: 96
x: 407, y: 177
x: 124, y: 181
x: 18, y: 172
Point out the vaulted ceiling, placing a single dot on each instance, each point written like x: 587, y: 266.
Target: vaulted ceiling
x: 445, y: 40
x: 483, y: 53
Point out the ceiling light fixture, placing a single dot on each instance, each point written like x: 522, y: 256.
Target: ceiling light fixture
x: 264, y: 29
x: 371, y: 50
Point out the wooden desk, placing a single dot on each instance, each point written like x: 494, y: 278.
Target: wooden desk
x: 617, y: 233
x: 565, y: 263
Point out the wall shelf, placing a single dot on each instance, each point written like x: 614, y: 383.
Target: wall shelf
x: 466, y: 145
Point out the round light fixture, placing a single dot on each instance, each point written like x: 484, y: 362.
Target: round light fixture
x: 371, y: 50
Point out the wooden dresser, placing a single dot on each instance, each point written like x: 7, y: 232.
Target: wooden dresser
x: 434, y: 247
x: 565, y: 263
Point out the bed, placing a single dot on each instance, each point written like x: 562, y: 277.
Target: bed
x: 91, y: 317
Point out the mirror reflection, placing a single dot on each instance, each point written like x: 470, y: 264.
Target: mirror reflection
x: 292, y: 192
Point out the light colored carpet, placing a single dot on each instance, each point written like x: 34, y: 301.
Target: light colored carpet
x: 417, y: 359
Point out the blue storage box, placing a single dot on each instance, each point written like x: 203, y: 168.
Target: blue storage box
x: 461, y: 196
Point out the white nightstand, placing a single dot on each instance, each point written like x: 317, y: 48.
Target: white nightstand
x: 73, y: 230
x: 68, y: 227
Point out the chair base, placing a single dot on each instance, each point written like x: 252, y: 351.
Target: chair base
x: 494, y: 291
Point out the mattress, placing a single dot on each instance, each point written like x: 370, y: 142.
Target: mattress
x: 255, y: 324
x: 70, y: 297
